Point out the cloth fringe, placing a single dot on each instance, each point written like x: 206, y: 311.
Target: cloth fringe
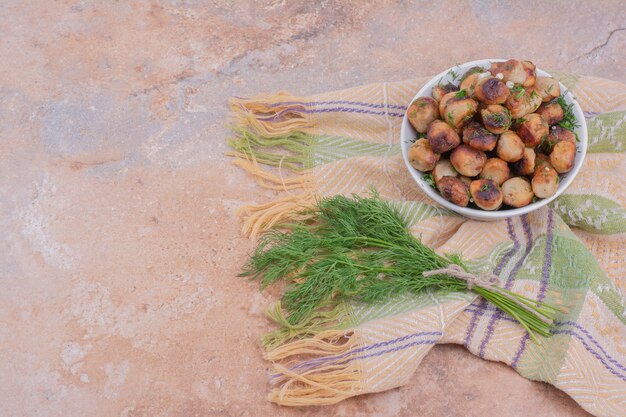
x: 259, y: 218
x: 287, y: 332
x: 322, y: 385
x: 272, y: 115
x: 271, y: 181
x: 274, y: 134
x: 291, y: 151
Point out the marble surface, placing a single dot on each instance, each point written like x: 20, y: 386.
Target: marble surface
x: 120, y: 243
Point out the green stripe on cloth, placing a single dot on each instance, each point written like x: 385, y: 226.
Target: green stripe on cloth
x: 592, y: 213
x: 328, y: 149
x: 299, y: 150
x: 607, y: 132
x: 573, y: 266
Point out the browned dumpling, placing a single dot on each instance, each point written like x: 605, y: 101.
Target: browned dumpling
x: 497, y: 170
x: 517, y: 192
x: 531, y: 76
x: 421, y: 156
x: 422, y: 112
x: 545, y: 181
x: 533, y: 130
x: 467, y: 160
x: 469, y: 84
x: 557, y: 134
x: 526, y: 165
x: 547, y: 87
x: 552, y: 113
x: 457, y: 110
x: 444, y: 102
x: 441, y: 90
x: 521, y: 103
x: 476, y: 136
x: 510, y: 147
x: 454, y: 190
x: 496, y: 118
x: 563, y: 156
x: 518, y: 72
x: 491, y: 90
x: 486, y: 194
x: 442, y: 137
x: 443, y: 168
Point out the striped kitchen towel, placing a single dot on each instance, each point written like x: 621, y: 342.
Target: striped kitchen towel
x: 571, y: 253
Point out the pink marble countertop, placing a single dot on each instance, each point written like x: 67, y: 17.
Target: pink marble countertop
x: 120, y: 243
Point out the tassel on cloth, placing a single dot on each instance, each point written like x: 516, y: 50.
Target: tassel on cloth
x: 320, y: 380
x: 260, y: 218
x: 272, y: 115
x: 322, y: 320
x: 271, y: 181
x: 291, y: 153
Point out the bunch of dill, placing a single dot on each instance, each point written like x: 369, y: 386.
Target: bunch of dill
x: 360, y: 249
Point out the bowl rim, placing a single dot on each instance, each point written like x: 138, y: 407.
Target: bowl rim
x: 581, y: 147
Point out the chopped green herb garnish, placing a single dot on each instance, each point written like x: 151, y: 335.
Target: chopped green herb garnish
x: 498, y: 119
x: 429, y: 179
x: 518, y: 92
x: 545, y: 141
x: 569, y: 120
x: 461, y: 94
x: 485, y: 187
x: 418, y: 136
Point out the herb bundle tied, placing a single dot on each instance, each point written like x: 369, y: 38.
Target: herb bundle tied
x: 360, y: 249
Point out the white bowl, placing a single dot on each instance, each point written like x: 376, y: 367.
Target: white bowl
x: 408, y: 133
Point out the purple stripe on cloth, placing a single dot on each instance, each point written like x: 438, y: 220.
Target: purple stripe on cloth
x: 497, y: 314
x: 591, y: 114
x: 594, y: 341
x: 545, y: 275
x: 575, y: 334
x: 545, y: 272
x: 280, y: 114
x: 529, y: 243
x: 331, y: 359
x: 396, y: 349
x: 497, y: 270
x: 508, y: 284
x: 341, y: 102
x: 593, y: 352
x: 520, y: 350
